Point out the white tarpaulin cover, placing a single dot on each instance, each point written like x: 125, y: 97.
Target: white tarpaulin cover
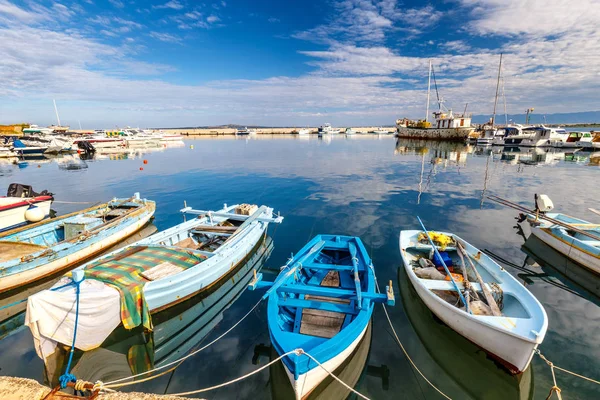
x: 51, y: 316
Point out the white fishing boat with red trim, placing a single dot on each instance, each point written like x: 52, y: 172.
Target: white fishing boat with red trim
x: 22, y: 205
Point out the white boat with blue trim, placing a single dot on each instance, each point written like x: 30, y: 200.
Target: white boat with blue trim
x: 490, y: 307
x: 321, y: 303
x: 35, y: 251
x: 577, y: 246
x: 159, y: 272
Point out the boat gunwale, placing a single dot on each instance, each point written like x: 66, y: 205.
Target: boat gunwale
x: 326, y: 350
x: 534, y: 301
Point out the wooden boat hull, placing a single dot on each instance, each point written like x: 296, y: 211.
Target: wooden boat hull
x: 451, y: 134
x: 569, y: 249
x: 29, y: 271
x: 307, y: 382
x: 511, y: 340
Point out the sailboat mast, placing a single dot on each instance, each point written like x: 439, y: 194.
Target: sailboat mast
x: 56, y: 111
x: 428, y: 91
x: 497, y: 87
x: 504, y: 98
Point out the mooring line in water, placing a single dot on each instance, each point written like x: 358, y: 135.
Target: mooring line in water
x: 555, y: 388
x: 117, y: 382
x: 401, y: 345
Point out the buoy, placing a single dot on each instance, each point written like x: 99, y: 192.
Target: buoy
x: 145, y: 161
x: 141, y: 168
x: 39, y: 166
x: 78, y: 151
x: 192, y: 146
x: 34, y: 214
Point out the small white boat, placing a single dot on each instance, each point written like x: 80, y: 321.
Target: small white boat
x: 511, y: 337
x: 350, y: 132
x: 22, y: 205
x: 380, y: 131
x: 326, y: 129
x: 592, y: 144
x: 507, y: 131
x: 575, y: 140
x: 148, y: 276
x: 537, y: 136
x: 304, y: 131
x: 580, y: 248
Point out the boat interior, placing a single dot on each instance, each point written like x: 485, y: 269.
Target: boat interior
x: 60, y: 231
x: 435, y: 279
x: 322, y: 301
x: 592, y: 229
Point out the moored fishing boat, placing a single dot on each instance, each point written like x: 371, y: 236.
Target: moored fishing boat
x: 575, y: 238
x: 158, y: 272
x: 447, y: 126
x: 508, y: 322
x: 22, y: 205
x: 32, y: 252
x: 321, y: 302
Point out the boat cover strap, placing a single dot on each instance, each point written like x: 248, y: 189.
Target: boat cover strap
x: 123, y: 272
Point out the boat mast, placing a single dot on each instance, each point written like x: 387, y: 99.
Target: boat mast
x: 56, y: 111
x: 428, y: 91
x: 497, y: 87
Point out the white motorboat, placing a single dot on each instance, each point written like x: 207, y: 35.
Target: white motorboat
x: 537, y: 136
x: 592, y: 144
x: 575, y: 140
x: 326, y: 129
x: 509, y: 325
x: 304, y: 131
x: 22, y: 205
x: 507, y: 131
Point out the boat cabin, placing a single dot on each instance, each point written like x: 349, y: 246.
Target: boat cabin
x: 450, y: 120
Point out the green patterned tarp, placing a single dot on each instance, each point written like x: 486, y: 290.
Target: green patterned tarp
x: 122, y: 271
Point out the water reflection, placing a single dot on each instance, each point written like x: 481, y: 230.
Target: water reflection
x: 177, y: 332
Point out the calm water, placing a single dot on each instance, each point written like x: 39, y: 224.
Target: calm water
x: 365, y: 186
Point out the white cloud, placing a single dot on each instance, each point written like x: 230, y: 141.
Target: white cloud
x: 117, y: 3
x: 212, y: 18
x: 165, y: 37
x: 173, y: 4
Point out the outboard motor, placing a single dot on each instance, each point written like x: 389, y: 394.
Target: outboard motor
x: 543, y: 204
x: 86, y: 146
x: 20, y: 190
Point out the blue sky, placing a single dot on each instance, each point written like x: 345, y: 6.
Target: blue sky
x: 267, y: 62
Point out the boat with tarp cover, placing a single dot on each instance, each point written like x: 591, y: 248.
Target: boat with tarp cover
x: 39, y: 250
x: 321, y: 302
x: 474, y: 296
x: 127, y: 286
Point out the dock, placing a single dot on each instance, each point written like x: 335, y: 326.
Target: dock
x: 29, y: 389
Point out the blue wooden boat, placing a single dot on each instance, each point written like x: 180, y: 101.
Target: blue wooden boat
x: 32, y: 252
x: 321, y: 302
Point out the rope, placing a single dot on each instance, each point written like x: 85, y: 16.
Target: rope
x: 25, y: 299
x: 555, y: 388
x: 336, y: 378
x: 402, y: 346
x: 67, y: 377
x: 116, y: 383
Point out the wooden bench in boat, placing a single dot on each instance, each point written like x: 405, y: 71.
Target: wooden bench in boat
x: 317, y: 305
x: 322, y: 323
x: 434, y: 284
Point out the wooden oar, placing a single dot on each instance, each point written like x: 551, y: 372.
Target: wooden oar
x: 594, y: 211
x: 554, y: 221
x: 488, y: 296
x: 437, y: 253
x: 463, y: 266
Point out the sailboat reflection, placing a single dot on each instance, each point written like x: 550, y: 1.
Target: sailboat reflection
x: 456, y: 355
x: 352, y: 372
x: 177, y: 331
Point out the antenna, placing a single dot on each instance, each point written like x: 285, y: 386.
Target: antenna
x: 428, y: 90
x: 504, y: 98
x: 465, y: 112
x: 437, y: 93
x: 56, y: 111
x: 79, y: 125
x: 497, y: 87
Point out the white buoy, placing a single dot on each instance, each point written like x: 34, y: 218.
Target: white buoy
x: 34, y: 214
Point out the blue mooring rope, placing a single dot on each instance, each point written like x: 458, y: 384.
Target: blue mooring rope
x: 67, y: 377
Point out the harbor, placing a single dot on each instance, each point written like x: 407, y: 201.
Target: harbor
x: 370, y: 187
